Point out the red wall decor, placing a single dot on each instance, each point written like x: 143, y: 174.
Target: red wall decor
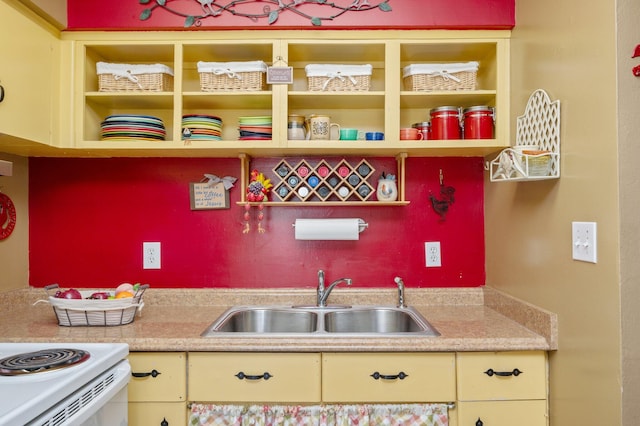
x: 88, y: 219
x: 404, y: 14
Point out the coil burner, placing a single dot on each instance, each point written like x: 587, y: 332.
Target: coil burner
x: 40, y: 361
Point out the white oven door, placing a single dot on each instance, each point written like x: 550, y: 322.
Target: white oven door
x: 102, y: 402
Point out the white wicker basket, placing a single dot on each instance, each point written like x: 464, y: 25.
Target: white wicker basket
x: 90, y: 312
x: 447, y: 76
x: 335, y: 77
x: 232, y: 76
x: 128, y: 77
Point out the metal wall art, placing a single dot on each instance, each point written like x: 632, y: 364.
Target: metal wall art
x: 256, y: 10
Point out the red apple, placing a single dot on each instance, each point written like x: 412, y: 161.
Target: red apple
x: 72, y: 293
x: 99, y: 295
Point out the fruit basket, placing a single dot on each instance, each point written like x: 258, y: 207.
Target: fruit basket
x: 94, y: 312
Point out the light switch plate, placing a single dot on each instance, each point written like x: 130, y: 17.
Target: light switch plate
x: 584, y: 241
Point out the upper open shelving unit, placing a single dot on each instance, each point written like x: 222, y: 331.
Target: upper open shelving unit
x: 386, y: 107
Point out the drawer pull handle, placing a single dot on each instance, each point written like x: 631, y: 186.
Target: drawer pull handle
x: 164, y: 422
x: 490, y: 372
x: 401, y: 375
x: 479, y: 422
x: 243, y: 376
x: 152, y: 373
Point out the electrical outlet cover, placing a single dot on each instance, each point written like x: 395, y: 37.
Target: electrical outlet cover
x: 151, y: 255
x: 432, y: 254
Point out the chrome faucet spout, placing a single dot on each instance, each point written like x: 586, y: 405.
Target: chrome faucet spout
x: 320, y: 289
x: 400, y: 284
x: 323, y: 293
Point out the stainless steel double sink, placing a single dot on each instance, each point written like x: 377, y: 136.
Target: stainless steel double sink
x: 331, y: 321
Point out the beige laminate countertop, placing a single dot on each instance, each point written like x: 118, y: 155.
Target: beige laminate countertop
x: 477, y: 319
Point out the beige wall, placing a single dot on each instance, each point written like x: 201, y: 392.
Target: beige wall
x: 569, y: 49
x: 629, y: 148
x: 14, y: 250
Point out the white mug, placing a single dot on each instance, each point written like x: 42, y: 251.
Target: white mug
x: 319, y: 127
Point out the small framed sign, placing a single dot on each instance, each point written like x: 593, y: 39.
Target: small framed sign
x: 206, y: 196
x: 280, y: 75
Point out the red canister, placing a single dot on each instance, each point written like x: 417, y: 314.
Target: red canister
x: 445, y: 123
x: 423, y: 127
x: 478, y: 122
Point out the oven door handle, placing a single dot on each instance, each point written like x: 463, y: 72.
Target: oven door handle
x: 152, y: 373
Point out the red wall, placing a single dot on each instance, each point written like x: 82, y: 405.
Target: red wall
x: 423, y: 14
x: 89, y: 217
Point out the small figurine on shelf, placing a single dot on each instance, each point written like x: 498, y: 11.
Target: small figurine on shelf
x: 257, y: 192
x: 387, y: 188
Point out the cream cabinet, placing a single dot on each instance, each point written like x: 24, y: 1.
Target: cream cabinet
x: 388, y: 377
x: 385, y: 107
x: 29, y: 75
x: 483, y: 388
x: 254, y: 377
x: 158, y: 389
x: 502, y: 388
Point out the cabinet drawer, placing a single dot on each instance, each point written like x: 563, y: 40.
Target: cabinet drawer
x: 503, y: 413
x: 502, y: 375
x: 254, y: 377
x: 168, y: 383
x: 351, y: 377
x: 154, y: 413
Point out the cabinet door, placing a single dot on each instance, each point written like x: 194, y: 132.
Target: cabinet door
x: 254, y: 377
x: 28, y: 73
x: 388, y: 377
x: 158, y: 376
x: 155, y: 413
x: 503, y: 413
x: 501, y: 375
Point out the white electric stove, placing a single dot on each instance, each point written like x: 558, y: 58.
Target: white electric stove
x: 55, y: 384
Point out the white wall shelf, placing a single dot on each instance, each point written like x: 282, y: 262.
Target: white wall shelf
x: 536, y: 154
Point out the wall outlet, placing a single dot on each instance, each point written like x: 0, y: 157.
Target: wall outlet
x: 151, y: 255
x: 584, y: 241
x: 432, y: 254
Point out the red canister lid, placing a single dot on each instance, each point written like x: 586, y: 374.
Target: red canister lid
x: 479, y: 108
x: 445, y: 109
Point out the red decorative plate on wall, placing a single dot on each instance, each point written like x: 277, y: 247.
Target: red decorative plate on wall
x: 7, y: 216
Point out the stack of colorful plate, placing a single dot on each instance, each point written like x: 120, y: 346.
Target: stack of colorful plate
x: 132, y: 126
x: 201, y: 127
x: 255, y: 128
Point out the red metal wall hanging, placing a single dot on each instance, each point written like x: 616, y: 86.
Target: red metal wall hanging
x: 7, y: 216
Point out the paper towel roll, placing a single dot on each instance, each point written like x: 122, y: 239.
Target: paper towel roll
x: 328, y: 229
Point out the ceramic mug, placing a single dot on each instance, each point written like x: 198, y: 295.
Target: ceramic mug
x: 410, y: 133
x: 319, y: 127
x: 374, y: 136
x: 350, y: 134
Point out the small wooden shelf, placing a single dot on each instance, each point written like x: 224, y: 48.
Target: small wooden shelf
x: 286, y: 175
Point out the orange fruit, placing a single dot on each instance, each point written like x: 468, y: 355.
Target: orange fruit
x: 124, y: 294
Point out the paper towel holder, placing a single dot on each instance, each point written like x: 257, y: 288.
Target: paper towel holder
x: 362, y: 225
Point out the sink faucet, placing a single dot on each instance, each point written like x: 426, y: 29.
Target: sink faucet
x: 323, y: 293
x: 400, y: 283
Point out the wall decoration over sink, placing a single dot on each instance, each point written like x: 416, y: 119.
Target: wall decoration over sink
x: 257, y: 10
